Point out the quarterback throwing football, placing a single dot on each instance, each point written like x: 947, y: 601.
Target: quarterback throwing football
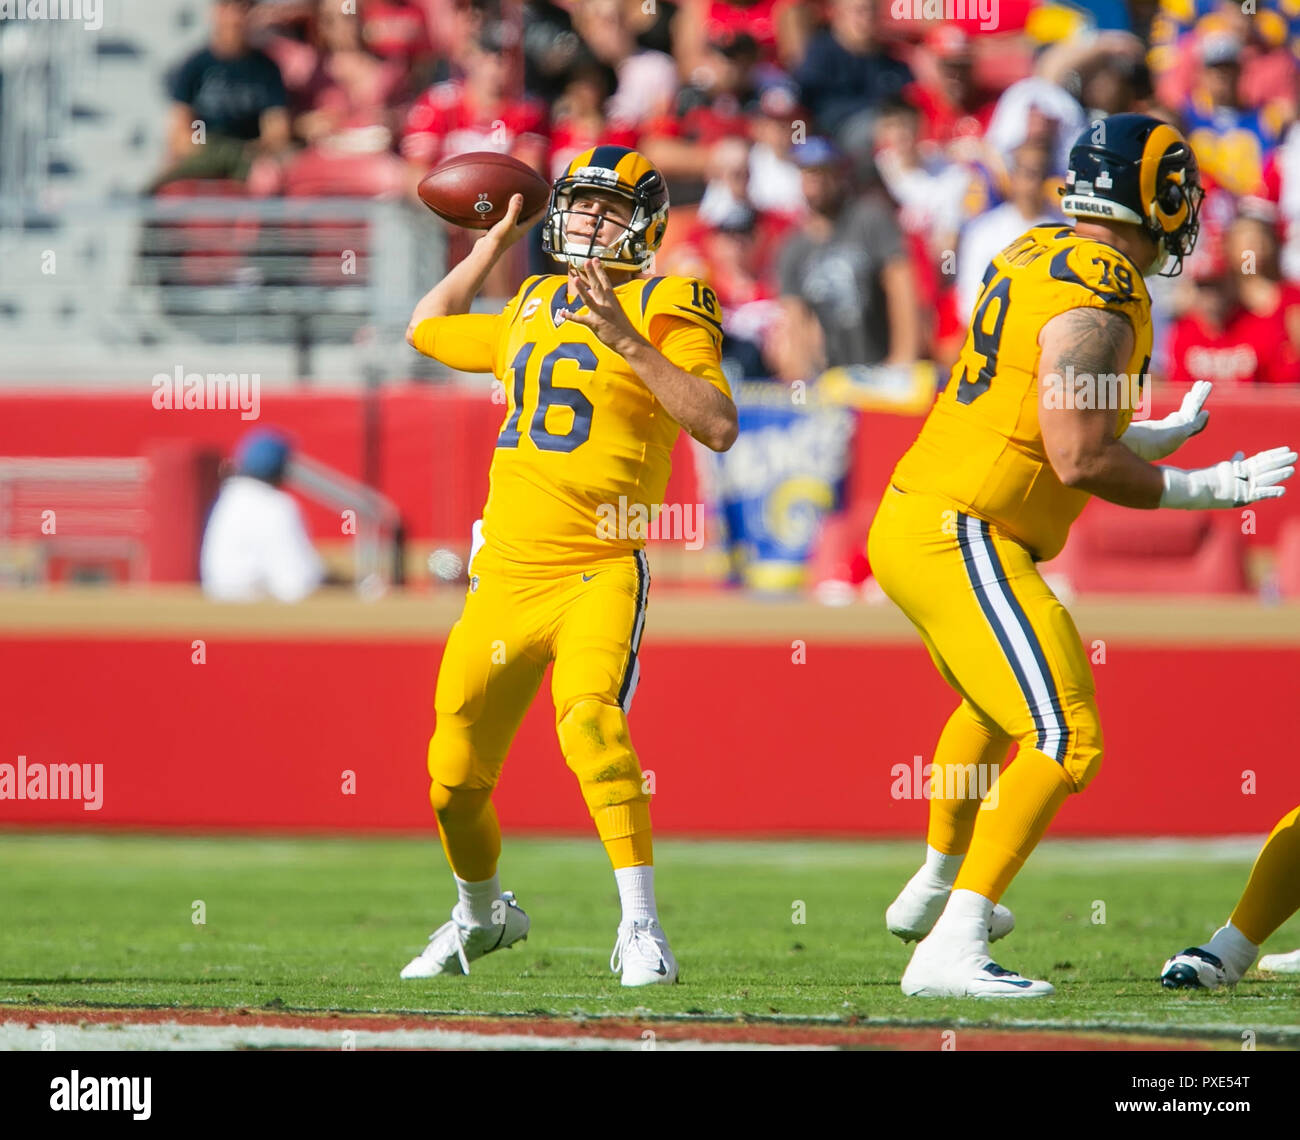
x: 601, y: 369
x: 1005, y: 462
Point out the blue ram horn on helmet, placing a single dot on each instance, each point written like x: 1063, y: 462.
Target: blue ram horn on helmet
x: 1136, y: 169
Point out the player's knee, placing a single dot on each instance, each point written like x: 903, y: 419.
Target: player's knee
x: 598, y: 749
x: 457, y: 776
x: 457, y: 803
x: 1083, y: 757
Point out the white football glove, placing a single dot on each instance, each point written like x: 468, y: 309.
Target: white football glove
x: 1154, y: 439
x: 1232, y: 483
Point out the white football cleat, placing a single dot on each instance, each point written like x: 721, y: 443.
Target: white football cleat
x: 642, y: 954
x: 455, y: 944
x: 1281, y: 963
x: 913, y: 914
x: 1197, y: 969
x: 968, y: 971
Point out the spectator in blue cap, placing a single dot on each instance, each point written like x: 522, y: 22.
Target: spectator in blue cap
x: 262, y: 454
x: 256, y: 545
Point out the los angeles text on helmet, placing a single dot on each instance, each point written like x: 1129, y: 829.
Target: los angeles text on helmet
x: 1087, y: 206
x: 1108, y: 391
x: 986, y: 11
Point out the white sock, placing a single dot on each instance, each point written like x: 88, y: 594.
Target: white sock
x: 941, y: 869
x: 965, y: 919
x: 1232, y: 948
x: 636, y: 891
x: 476, y: 899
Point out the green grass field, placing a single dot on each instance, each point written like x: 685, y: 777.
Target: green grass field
x: 325, y: 924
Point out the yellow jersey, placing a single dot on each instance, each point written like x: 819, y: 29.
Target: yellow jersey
x: 981, y: 445
x: 584, y: 452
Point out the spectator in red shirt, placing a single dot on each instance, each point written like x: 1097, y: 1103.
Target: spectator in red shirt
x: 955, y: 110
x: 578, y: 116
x: 1271, y: 306
x: 1215, y: 339
x: 478, y: 113
x: 475, y: 113
x: 780, y: 28
x: 398, y: 30
x: 346, y: 115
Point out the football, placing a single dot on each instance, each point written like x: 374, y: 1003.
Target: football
x: 473, y: 190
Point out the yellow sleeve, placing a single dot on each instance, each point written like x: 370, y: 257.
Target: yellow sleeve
x: 681, y: 317
x: 690, y: 347
x: 470, y: 342
x: 466, y: 342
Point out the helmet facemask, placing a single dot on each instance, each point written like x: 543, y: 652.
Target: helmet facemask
x: 1180, y: 185
x: 630, y: 250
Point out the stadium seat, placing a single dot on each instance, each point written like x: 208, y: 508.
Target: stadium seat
x: 210, y: 251
x: 201, y: 188
x: 1114, y: 549
x: 316, y: 174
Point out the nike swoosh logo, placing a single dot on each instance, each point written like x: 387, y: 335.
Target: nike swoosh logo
x: 589, y: 577
x: 997, y: 974
x: 662, y: 970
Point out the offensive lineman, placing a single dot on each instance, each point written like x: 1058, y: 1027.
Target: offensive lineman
x: 1000, y: 470
x: 601, y: 369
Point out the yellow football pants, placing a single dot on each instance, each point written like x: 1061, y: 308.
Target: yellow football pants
x: 993, y: 627
x: 589, y: 623
x: 1004, y: 642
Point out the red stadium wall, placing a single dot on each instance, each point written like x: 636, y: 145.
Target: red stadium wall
x: 740, y: 739
x: 434, y: 444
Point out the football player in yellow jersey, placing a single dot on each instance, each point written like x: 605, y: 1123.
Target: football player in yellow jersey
x: 601, y: 369
x: 1035, y: 418
x: 1272, y: 895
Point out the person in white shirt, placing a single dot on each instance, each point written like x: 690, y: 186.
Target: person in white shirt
x: 255, y: 545
x: 1027, y: 205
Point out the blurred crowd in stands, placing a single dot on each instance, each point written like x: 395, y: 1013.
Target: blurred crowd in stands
x: 840, y: 172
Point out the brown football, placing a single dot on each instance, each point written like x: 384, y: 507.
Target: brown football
x: 473, y: 190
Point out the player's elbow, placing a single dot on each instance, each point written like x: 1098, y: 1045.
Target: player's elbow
x: 723, y: 433
x: 1076, y: 469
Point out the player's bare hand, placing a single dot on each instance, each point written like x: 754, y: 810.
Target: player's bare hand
x: 604, y: 315
x: 510, y: 229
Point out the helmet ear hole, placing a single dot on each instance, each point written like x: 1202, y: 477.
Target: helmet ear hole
x: 1170, y: 197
